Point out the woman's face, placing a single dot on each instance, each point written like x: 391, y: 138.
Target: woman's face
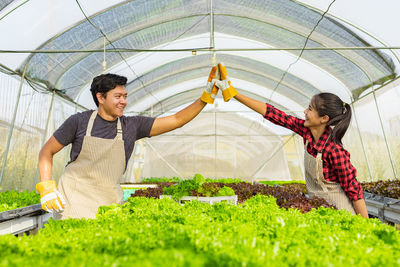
x: 312, y: 117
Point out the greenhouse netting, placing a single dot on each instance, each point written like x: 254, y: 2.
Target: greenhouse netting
x: 117, y: 149
x: 281, y: 52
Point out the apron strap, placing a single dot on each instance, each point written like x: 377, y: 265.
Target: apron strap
x: 119, y: 130
x: 318, y: 167
x: 90, y: 124
x: 91, y: 121
x: 320, y: 170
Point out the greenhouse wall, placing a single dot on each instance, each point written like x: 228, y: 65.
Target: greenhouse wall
x: 34, y: 111
x: 218, y: 145
x: 374, y: 142
x: 204, y: 147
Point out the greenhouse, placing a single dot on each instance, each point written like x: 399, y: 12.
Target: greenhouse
x: 199, y: 179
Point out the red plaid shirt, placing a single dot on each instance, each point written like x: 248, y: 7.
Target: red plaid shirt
x: 336, y: 160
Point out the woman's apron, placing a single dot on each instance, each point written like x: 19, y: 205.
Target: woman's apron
x: 92, y: 180
x: 318, y: 186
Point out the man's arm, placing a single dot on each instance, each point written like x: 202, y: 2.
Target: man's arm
x: 169, y: 123
x: 46, y: 154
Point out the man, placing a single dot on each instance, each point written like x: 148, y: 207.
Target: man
x: 102, y: 142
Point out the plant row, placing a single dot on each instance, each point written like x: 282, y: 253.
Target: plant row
x: 177, y: 180
x: 149, y: 232
x: 287, y: 196
x: 383, y: 188
x: 10, y: 200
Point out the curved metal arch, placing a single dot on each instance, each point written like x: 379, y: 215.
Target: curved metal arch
x: 294, y: 33
x: 267, y: 11
x: 168, y: 82
x: 128, y: 35
x: 237, y: 63
x: 352, y: 25
x: 189, y: 96
x: 203, y: 14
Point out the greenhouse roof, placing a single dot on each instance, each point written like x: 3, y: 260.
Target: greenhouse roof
x: 151, y: 42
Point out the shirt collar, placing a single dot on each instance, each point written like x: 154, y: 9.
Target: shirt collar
x: 321, y: 143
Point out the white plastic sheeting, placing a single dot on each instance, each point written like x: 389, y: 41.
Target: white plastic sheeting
x: 160, y: 82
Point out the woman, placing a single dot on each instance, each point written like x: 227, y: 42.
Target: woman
x: 328, y: 171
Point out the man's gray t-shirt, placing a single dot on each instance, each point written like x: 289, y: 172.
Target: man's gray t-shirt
x: 73, y: 130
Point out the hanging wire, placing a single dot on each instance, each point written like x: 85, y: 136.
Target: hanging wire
x: 158, y: 101
x: 173, y: 40
x: 302, y: 50
x: 8, y: 13
x: 36, y: 86
x: 119, y: 53
x: 104, y: 57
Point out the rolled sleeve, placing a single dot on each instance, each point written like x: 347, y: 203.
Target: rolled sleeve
x: 279, y: 117
x: 146, y: 123
x: 66, y: 133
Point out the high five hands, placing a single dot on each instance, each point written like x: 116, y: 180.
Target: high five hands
x: 218, y: 80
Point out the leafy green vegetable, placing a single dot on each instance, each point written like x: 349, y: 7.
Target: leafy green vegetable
x: 161, y: 180
x: 13, y: 199
x: 226, y: 191
x: 153, y: 232
x: 282, y: 182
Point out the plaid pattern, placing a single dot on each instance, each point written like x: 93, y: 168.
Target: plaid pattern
x: 336, y: 160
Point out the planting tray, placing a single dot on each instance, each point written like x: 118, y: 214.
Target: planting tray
x: 385, y: 208
x: 130, y: 189
x: 211, y: 200
x: 23, y: 220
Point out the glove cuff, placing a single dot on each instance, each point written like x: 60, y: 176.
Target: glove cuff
x: 45, y: 187
x: 229, y: 93
x: 207, y: 97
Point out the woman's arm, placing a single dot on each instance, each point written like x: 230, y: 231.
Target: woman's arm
x: 274, y: 115
x: 346, y: 173
x: 255, y: 105
x: 360, y: 207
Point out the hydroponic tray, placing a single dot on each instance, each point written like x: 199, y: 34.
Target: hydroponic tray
x: 385, y: 208
x: 211, y: 200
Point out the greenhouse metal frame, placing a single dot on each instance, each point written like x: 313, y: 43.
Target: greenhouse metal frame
x: 281, y: 52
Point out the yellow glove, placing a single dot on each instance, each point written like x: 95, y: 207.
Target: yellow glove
x: 211, y: 91
x: 50, y: 198
x: 228, y: 91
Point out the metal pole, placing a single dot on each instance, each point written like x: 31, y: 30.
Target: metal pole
x: 3, y: 167
x: 212, y: 42
x: 215, y: 143
x: 135, y: 50
x: 35, y: 180
x: 296, y: 145
x: 362, y: 143
x: 384, y: 136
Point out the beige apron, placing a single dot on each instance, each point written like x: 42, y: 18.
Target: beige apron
x: 318, y: 186
x: 92, y: 180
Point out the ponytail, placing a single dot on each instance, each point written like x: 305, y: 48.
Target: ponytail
x: 339, y: 114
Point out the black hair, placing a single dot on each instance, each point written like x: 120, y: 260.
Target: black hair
x: 104, y: 83
x: 338, y: 111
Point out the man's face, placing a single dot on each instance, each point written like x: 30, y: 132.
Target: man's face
x: 114, y: 101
